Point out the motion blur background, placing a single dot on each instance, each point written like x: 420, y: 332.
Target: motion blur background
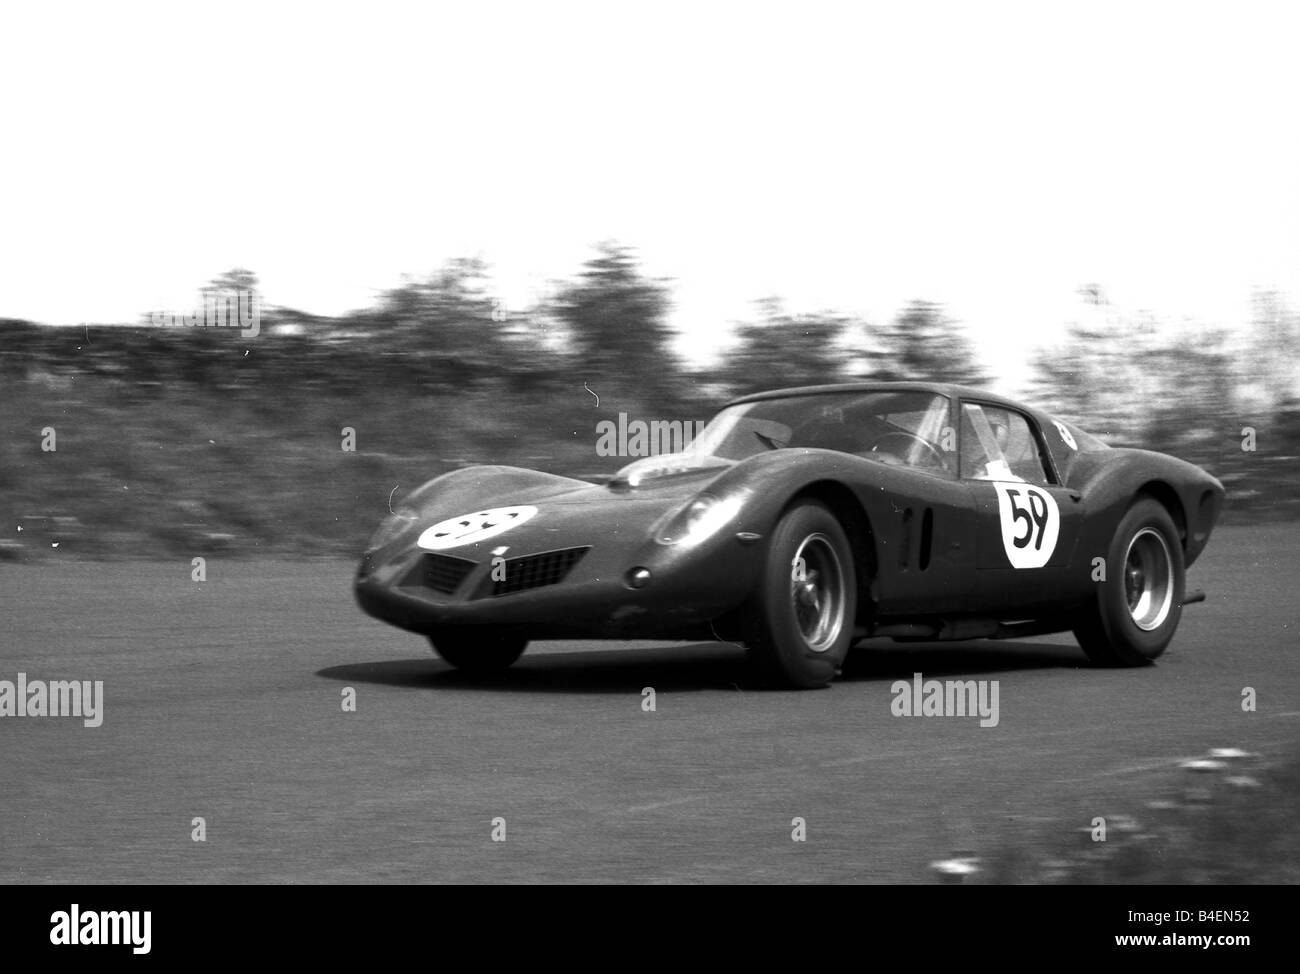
x: 480, y: 230
x: 477, y: 234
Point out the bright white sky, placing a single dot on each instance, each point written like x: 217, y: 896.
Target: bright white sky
x: 849, y: 156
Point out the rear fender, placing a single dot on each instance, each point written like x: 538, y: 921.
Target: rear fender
x: 1111, y: 481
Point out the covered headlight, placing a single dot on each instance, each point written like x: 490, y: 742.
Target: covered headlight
x: 701, y: 518
x: 392, y: 527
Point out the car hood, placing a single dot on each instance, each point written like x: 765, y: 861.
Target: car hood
x: 557, y: 512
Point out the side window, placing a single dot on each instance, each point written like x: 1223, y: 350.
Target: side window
x: 998, y: 444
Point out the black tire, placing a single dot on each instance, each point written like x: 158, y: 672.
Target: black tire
x: 798, y: 629
x: 480, y: 650
x: 1137, y: 608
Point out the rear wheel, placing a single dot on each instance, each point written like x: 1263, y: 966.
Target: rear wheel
x: 478, y: 649
x: 1137, y: 607
x: 799, y: 619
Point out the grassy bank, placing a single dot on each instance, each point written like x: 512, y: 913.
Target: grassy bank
x: 1225, y: 818
x: 182, y: 443
x: 190, y: 441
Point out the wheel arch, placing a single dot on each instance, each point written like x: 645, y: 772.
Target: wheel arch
x: 846, y: 507
x: 1165, y: 495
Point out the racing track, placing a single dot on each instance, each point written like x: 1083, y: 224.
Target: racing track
x: 223, y: 701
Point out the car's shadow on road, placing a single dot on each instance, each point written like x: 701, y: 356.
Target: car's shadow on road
x: 887, y: 660
x: 704, y: 666
x: 700, y: 666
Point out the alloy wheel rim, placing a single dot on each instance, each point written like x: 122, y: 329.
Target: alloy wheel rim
x: 817, y: 592
x: 1148, y: 579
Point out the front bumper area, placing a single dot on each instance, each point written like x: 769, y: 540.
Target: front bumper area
x: 688, y: 589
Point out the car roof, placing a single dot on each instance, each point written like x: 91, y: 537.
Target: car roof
x: 941, y: 388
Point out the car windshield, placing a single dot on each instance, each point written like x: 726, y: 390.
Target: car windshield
x: 896, y: 427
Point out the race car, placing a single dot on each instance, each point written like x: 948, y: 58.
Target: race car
x: 801, y: 521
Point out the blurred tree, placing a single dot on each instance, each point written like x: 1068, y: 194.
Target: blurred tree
x: 1071, y: 380
x: 447, y: 321
x: 234, y: 281
x: 1091, y: 378
x: 925, y: 344
x: 238, y: 292
x: 1270, y: 359
x: 1132, y: 382
x: 1188, y: 410
x: 1283, y: 445
x: 1268, y: 404
x: 782, y: 350
x: 617, y: 322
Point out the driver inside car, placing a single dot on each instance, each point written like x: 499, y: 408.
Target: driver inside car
x: 983, y: 444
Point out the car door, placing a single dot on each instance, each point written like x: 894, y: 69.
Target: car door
x: 1027, y: 522
x: 924, y: 523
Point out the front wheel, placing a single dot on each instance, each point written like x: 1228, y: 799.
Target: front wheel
x: 799, y: 619
x: 1138, y: 605
x: 480, y: 650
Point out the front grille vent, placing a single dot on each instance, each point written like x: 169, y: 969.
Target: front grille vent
x: 534, y: 571
x: 442, y: 573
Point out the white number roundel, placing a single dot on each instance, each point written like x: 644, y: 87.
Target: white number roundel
x: 470, y: 528
x: 1066, y: 436
x: 1031, y: 523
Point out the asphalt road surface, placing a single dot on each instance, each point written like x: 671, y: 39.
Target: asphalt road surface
x: 223, y: 700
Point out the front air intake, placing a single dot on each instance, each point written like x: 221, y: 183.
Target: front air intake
x: 534, y: 571
x: 442, y: 573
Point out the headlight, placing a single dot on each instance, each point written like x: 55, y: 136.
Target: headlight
x: 699, y: 519
x: 393, y: 525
